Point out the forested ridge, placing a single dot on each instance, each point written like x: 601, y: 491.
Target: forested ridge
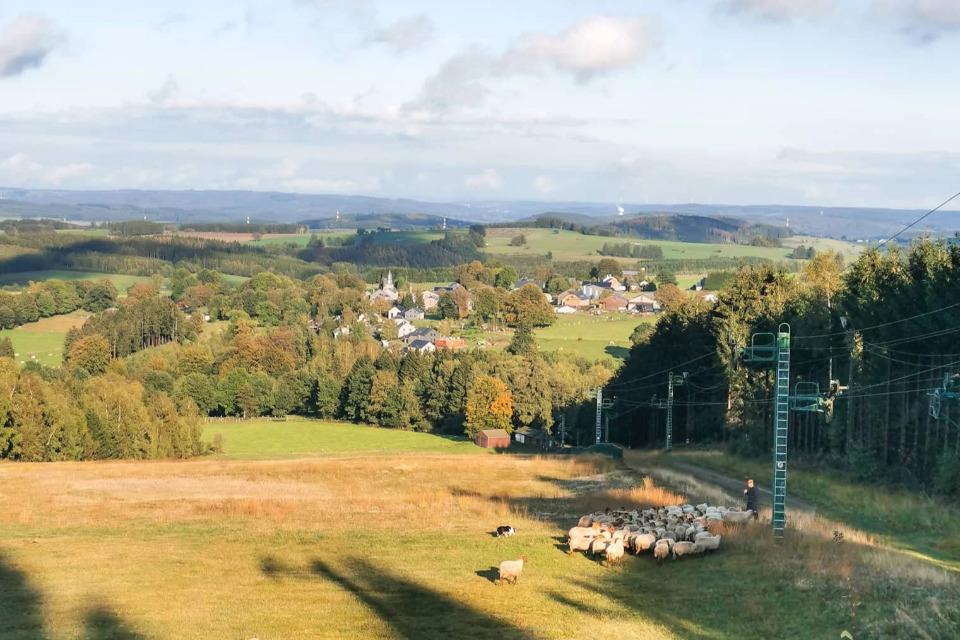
x: 885, y: 328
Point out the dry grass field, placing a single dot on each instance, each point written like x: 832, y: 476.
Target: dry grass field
x: 399, y: 546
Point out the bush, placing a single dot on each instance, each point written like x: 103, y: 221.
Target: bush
x: 947, y: 477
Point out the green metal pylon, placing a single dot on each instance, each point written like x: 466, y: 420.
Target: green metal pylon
x: 781, y: 422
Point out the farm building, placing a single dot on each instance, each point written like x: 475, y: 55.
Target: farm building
x: 565, y: 309
x: 613, y: 303
x: 492, y: 439
x: 532, y: 437
x: 415, y: 313
x: 644, y: 304
x: 424, y: 333
x: 430, y: 300
x: 449, y: 343
x: 422, y: 346
x: 573, y: 298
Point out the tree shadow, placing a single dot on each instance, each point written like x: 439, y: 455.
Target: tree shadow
x: 21, y: 615
x: 103, y: 624
x: 414, y: 611
x: 619, y: 353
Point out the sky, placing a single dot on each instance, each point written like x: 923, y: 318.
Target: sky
x: 819, y: 102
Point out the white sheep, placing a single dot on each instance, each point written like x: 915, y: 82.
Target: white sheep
x: 683, y: 548
x: 737, y: 517
x: 708, y: 542
x: 662, y: 550
x: 585, y: 521
x: 614, y: 553
x: 643, y: 541
x: 579, y: 543
x: 510, y: 570
x: 599, y: 545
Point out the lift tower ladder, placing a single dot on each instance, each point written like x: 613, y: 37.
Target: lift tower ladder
x: 782, y: 402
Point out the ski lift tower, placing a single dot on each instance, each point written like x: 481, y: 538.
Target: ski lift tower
x: 765, y: 350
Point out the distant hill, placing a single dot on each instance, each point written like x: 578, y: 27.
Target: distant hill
x: 234, y: 206
x: 671, y: 227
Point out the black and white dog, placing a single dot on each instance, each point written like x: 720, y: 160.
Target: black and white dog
x: 505, y: 532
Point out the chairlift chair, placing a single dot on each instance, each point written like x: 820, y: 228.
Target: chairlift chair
x: 762, y: 349
x: 806, y: 397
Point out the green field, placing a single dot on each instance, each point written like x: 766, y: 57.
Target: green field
x: 43, y: 347
x: 591, y: 336
x: 296, y: 437
x: 849, y: 250
x: 300, y: 240
x: 569, y: 245
x: 398, y: 546
x: 909, y: 521
x: 42, y: 341
x: 121, y: 282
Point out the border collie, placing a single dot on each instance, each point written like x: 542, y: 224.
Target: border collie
x: 505, y: 532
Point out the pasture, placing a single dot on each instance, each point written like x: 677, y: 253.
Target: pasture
x: 398, y: 545
x: 22, y: 279
x: 570, y: 245
x: 42, y: 341
x: 295, y: 437
x: 591, y: 336
x: 906, y: 520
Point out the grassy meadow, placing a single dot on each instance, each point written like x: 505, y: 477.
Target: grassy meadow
x: 266, y: 438
x: 906, y: 520
x: 121, y: 282
x: 398, y: 545
x: 570, y: 245
x: 42, y: 341
x: 591, y: 336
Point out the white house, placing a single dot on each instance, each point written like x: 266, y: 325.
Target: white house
x: 404, y: 328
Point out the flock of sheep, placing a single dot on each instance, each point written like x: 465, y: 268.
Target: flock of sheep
x: 682, y: 530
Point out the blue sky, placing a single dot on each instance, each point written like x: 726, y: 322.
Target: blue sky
x: 823, y: 102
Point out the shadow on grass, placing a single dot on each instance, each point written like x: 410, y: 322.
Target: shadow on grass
x: 412, y: 610
x: 103, y: 624
x: 619, y: 353
x: 21, y: 615
x: 492, y: 574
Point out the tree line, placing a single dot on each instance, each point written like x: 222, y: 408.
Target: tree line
x: 881, y: 329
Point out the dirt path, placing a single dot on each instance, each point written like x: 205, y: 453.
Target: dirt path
x: 694, y: 479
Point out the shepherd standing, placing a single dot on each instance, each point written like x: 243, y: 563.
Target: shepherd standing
x: 751, y: 496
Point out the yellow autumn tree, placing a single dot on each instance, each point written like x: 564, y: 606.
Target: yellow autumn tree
x: 489, y: 406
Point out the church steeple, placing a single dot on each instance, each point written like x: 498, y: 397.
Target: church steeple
x: 389, y: 280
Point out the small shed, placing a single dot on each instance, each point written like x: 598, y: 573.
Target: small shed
x: 492, y: 439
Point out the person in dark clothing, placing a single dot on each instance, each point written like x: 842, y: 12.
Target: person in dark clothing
x: 751, y: 496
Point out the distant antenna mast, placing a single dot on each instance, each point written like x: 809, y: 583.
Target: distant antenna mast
x: 444, y: 223
x: 248, y: 219
x: 788, y: 223
x: 338, y: 216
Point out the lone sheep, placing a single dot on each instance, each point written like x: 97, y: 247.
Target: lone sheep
x: 510, y: 570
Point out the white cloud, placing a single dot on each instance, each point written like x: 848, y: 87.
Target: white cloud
x: 405, y: 35
x: 58, y: 174
x: 780, y: 10
x: 164, y: 94
x: 20, y: 163
x: 456, y: 84
x: 544, y: 185
x: 488, y: 179
x: 325, y: 185
x: 26, y: 43
x: 591, y: 47
x: 921, y: 20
